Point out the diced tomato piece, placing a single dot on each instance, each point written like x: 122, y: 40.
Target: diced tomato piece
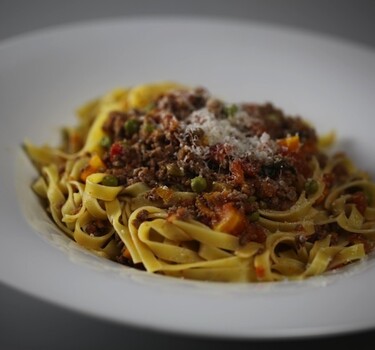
x: 116, y: 149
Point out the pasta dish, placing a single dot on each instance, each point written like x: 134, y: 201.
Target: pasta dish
x: 172, y: 180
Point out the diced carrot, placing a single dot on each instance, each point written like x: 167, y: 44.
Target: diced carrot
x: 126, y: 253
x: 232, y: 220
x: 164, y: 193
x: 95, y: 164
x: 292, y: 143
x: 87, y: 172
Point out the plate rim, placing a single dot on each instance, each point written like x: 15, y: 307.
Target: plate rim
x: 18, y: 40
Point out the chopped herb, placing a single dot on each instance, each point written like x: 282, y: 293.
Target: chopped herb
x: 105, y: 141
x: 369, y: 196
x: 251, y: 199
x: 273, y: 117
x: 254, y: 216
x: 131, y: 126
x: 231, y: 110
x: 174, y: 170
x: 149, y: 107
x: 147, y: 127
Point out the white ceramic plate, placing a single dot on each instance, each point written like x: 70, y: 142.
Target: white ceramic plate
x: 44, y: 76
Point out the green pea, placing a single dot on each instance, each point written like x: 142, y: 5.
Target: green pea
x: 311, y: 186
x: 110, y: 180
x: 198, y: 184
x: 105, y: 141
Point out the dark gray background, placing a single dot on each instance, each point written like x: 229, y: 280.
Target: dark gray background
x: 29, y: 323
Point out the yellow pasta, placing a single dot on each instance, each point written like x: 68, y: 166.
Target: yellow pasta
x: 169, y: 179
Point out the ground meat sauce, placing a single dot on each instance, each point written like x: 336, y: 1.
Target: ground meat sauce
x: 242, y: 156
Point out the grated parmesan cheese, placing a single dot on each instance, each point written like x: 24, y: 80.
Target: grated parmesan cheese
x: 229, y: 132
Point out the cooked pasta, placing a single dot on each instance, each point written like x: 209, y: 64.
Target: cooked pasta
x: 169, y: 179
